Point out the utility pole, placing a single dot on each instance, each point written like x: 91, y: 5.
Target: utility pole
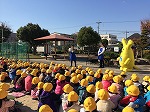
x: 126, y: 34
x: 98, y: 25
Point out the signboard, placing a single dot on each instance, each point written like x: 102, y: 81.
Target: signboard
x: 116, y: 49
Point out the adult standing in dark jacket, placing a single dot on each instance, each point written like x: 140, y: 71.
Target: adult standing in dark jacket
x: 72, y: 55
x: 101, y: 56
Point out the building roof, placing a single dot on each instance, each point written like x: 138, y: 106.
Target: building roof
x: 134, y: 36
x: 55, y: 37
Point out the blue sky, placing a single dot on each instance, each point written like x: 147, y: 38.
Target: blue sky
x: 68, y: 16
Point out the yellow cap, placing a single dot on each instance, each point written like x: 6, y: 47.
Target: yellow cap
x: 107, y: 71
x: 50, y: 67
x: 135, y: 78
x: 133, y: 90
x: 67, y: 73
x: 91, y: 73
x: 97, y: 75
x: 3, y: 94
x: 117, y: 79
x: 48, y: 71
x: 148, y: 87
x: 80, y: 67
x: 133, y: 75
x: 18, y: 72
x: 57, y: 75
x: 4, y: 86
x: 45, y: 108
x: 87, y: 68
x: 113, y: 89
x: 128, y: 83
x: 73, y: 68
x: 99, y: 85
x: 128, y: 109
x: 106, y: 77
x: 74, y: 79
x: 40, y: 85
x: 79, y: 76
x: 89, y: 78
x: 43, y: 70
x: 5, y: 74
x: 73, y: 96
x: 73, y: 74
x: 146, y: 78
x: 24, y: 74
x: 103, y: 94
x: 61, y: 77
x: 99, y: 71
x: 83, y: 72
x: 84, y: 82
x: 52, y: 63
x: 35, y: 80
x: 123, y: 73
x: 56, y: 68
x: 47, y: 87
x: 111, y: 72
x: 2, y: 77
x: 91, y: 88
x: 89, y: 104
x: 72, y: 110
x: 28, y: 69
x: 67, y: 88
x: 77, y: 71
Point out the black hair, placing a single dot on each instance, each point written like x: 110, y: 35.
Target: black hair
x: 33, y: 86
x: 70, y: 104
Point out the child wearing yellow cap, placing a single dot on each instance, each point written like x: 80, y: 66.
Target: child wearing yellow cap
x: 74, y: 82
x: 135, y: 78
x: 48, y: 97
x: 48, y: 77
x: 42, y: 74
x: 89, y: 105
x: 64, y: 97
x: 20, y: 84
x: 81, y: 90
x: 145, y: 83
x: 104, y: 104
x: 133, y: 99
x: 73, y: 101
x: 34, y: 89
x: 28, y: 80
x: 5, y: 104
x: 117, y: 82
x: 39, y: 89
x: 113, y: 95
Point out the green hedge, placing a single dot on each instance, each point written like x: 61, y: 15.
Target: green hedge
x: 111, y: 55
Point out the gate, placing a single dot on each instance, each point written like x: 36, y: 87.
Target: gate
x: 14, y: 50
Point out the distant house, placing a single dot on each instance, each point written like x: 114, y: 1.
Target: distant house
x: 12, y: 38
x: 134, y: 36
x: 112, y: 40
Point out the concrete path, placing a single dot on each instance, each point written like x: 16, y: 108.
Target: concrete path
x: 143, y: 69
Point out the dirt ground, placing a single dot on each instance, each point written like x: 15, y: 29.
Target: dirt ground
x: 26, y: 104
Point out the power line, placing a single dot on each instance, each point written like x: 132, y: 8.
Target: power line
x: 107, y: 22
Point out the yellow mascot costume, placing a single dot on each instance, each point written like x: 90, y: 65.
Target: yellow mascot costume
x: 126, y: 59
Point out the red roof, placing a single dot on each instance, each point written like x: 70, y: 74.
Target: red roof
x: 54, y: 37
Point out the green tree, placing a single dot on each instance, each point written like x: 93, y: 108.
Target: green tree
x: 5, y: 31
x: 105, y: 42
x: 30, y: 32
x: 88, y: 37
x: 144, y: 41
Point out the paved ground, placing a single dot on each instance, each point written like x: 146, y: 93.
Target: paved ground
x: 143, y: 69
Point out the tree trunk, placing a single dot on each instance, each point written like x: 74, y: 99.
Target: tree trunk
x: 141, y: 53
x: 34, y: 50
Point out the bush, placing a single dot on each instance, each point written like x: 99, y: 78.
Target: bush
x: 112, y: 55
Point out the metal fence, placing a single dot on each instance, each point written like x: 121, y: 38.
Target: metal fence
x: 14, y: 50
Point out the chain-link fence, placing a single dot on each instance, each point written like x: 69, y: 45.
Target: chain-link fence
x: 14, y: 50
